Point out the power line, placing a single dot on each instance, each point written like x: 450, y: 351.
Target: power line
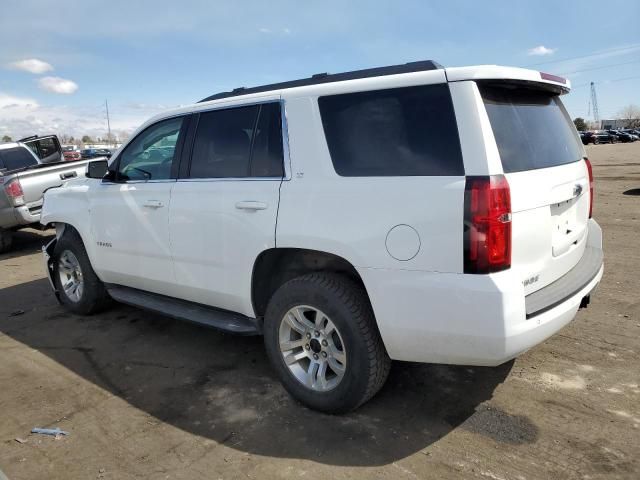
x: 633, y: 47
x: 605, y: 81
x: 599, y: 68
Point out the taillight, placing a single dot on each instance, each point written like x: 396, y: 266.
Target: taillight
x: 590, y: 170
x: 487, y: 224
x: 14, y: 192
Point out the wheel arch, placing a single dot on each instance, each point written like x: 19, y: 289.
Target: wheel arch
x: 275, y: 266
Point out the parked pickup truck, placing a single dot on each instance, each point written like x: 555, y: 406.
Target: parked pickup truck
x: 23, y: 180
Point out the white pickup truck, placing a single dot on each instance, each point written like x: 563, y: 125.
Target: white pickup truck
x: 411, y: 212
x: 24, y: 178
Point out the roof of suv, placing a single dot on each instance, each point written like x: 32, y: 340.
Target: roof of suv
x: 319, y: 78
x: 410, y: 73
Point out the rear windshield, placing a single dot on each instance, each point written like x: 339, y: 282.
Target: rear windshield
x: 409, y: 131
x: 531, y: 127
x: 17, y: 157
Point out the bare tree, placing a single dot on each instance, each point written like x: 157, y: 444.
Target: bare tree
x: 631, y: 113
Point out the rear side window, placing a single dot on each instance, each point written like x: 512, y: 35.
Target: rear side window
x: 238, y: 142
x: 17, y: 157
x: 45, y: 148
x: 531, y: 127
x: 408, y: 131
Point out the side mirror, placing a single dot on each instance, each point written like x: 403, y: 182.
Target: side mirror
x: 97, y: 169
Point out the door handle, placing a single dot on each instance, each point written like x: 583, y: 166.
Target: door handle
x: 64, y: 176
x: 251, y: 205
x: 153, y: 204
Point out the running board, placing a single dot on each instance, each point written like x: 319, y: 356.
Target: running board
x: 185, y: 310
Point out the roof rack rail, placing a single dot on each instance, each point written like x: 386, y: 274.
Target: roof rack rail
x: 319, y: 78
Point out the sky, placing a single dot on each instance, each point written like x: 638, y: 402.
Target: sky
x: 60, y: 61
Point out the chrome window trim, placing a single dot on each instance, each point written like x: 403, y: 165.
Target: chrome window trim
x: 232, y: 179
x: 129, y: 182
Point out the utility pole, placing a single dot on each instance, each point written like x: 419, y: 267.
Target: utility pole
x: 594, y: 104
x: 106, y: 105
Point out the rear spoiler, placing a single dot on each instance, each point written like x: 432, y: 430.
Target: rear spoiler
x: 533, y: 78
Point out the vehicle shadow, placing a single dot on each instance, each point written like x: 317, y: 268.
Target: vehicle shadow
x: 634, y: 192
x: 26, y: 242
x: 221, y: 387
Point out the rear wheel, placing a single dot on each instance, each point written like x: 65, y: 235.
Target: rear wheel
x: 80, y: 289
x: 6, y: 240
x: 596, y: 141
x: 321, y: 337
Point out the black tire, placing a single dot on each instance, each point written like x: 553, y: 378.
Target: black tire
x: 6, y: 240
x: 94, y: 296
x: 346, y: 304
x: 596, y: 141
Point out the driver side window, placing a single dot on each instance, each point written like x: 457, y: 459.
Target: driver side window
x: 150, y: 155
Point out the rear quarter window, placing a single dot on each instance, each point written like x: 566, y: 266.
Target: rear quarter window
x: 17, y: 157
x: 409, y: 131
x: 531, y: 127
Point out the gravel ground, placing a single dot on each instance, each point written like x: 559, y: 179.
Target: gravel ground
x: 144, y: 396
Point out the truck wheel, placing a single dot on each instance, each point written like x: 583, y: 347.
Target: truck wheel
x: 322, y: 339
x: 6, y: 239
x: 80, y: 289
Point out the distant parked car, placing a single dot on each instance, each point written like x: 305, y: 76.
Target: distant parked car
x: 96, y: 152
x: 71, y: 153
x: 598, y: 137
x: 622, y: 136
x: 635, y: 134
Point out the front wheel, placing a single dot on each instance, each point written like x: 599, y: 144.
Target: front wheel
x: 78, y: 286
x: 322, y: 339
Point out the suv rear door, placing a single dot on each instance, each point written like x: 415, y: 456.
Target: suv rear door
x: 225, y: 203
x: 542, y: 158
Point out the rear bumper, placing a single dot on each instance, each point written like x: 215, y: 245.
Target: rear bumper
x: 11, y: 217
x: 27, y: 215
x: 466, y: 319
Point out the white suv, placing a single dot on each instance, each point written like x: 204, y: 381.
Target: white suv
x: 409, y: 212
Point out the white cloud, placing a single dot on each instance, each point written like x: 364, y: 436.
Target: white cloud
x: 21, y: 117
x: 9, y: 101
x: 32, y: 65
x: 58, y: 85
x: 264, y: 30
x: 286, y: 31
x: 541, y: 50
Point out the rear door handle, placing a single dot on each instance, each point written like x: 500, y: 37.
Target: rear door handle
x: 64, y: 176
x: 251, y: 205
x: 153, y: 204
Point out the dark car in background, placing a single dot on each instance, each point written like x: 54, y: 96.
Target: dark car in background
x: 622, y: 136
x: 635, y: 134
x: 599, y: 136
x: 96, y: 152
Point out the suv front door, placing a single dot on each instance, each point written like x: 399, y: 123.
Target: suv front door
x: 130, y: 215
x: 224, y: 208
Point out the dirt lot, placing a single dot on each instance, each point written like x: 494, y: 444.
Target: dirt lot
x: 145, y: 396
